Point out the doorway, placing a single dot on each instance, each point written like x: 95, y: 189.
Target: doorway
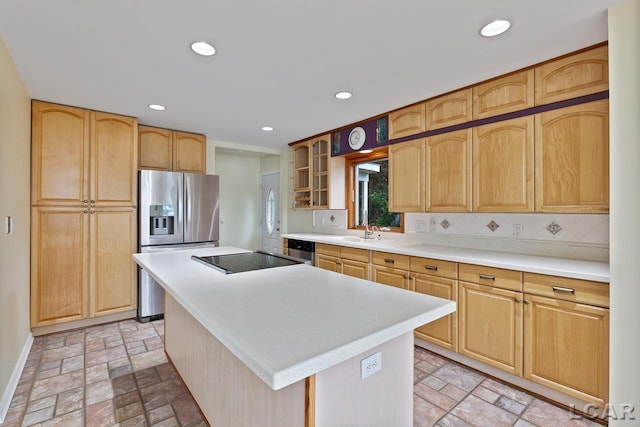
x: 270, y: 212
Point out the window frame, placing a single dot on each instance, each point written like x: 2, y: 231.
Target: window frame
x: 350, y: 162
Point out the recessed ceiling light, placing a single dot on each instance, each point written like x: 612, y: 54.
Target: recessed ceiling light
x: 157, y: 107
x: 267, y: 128
x: 203, y: 48
x: 495, y: 28
x: 343, y: 95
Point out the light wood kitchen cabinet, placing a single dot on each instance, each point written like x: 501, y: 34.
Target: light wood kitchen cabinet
x: 407, y: 176
x: 437, y: 278
x: 81, y: 264
x: 572, y: 76
x: 60, y: 138
x: 301, y: 175
x: 156, y: 148
x: 450, y: 109
x: 502, y: 95
x: 312, y: 174
x: 84, y: 195
x: 319, y: 148
x: 113, y: 174
x: 112, y: 273
x: 82, y: 157
x: 343, y: 259
x: 189, y: 152
x: 490, y: 316
x: 407, y: 121
x: 59, y: 261
x: 490, y: 326
x: 572, y: 159
x: 566, y: 335
x: 390, y: 269
x: 168, y: 150
x: 448, y: 172
x: 503, y: 166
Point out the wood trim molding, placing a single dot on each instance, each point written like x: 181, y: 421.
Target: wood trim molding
x: 310, y: 401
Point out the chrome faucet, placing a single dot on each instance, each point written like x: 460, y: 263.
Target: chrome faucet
x: 368, y: 232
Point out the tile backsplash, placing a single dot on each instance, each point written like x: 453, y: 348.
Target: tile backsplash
x: 581, y: 236
x: 568, y: 228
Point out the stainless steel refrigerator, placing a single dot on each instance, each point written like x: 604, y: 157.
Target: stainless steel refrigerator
x: 177, y: 211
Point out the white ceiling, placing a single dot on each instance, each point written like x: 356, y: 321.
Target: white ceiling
x: 279, y: 62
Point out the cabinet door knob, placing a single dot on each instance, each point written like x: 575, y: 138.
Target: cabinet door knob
x: 85, y: 211
x: 527, y: 301
x: 91, y: 212
x: 93, y: 201
x: 85, y: 201
x: 518, y: 299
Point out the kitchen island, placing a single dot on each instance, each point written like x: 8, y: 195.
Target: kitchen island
x: 283, y: 346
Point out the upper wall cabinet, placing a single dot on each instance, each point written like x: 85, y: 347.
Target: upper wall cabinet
x: 506, y: 94
x: 572, y: 159
x: 408, y: 121
x: 81, y: 157
x: 448, y: 172
x: 189, y: 152
x: 163, y: 149
x: 503, y: 166
x: 406, y: 176
x: 572, y: 76
x: 449, y: 110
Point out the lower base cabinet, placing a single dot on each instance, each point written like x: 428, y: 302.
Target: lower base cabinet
x: 566, y: 347
x: 81, y: 263
x: 490, y: 326
x: 550, y: 330
x: 341, y: 259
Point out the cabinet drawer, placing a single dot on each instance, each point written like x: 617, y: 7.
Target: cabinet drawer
x: 490, y: 276
x: 434, y: 267
x: 391, y: 260
x: 354, y: 254
x: 323, y: 248
x: 582, y: 291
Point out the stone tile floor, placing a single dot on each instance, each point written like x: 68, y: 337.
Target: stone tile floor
x: 118, y: 374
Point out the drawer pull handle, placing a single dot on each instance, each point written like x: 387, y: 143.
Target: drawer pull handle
x: 487, y: 276
x: 431, y: 267
x: 389, y: 260
x: 562, y: 289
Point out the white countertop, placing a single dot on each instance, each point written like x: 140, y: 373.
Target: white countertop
x: 288, y: 323
x: 564, y: 267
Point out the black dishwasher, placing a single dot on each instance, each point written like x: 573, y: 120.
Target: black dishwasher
x: 302, y: 249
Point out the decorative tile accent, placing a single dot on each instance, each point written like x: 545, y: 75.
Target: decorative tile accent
x: 445, y: 224
x: 493, y: 226
x: 554, y: 228
x: 332, y: 218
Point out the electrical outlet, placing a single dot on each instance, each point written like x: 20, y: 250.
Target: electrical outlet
x: 518, y: 229
x: 370, y: 365
x: 421, y: 226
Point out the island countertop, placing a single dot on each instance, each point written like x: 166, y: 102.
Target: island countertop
x: 288, y: 323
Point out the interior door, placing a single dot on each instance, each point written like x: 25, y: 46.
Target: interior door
x: 270, y: 212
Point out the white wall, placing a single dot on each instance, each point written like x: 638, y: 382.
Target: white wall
x: 239, y: 200
x: 15, y: 166
x: 269, y: 164
x: 624, y: 69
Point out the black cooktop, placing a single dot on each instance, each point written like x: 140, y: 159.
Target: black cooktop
x: 248, y: 261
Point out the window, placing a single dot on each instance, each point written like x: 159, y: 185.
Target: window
x: 270, y: 211
x: 369, y: 186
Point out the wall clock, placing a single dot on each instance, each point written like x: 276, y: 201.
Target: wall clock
x: 357, y: 137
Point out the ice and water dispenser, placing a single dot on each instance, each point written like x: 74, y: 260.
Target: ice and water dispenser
x: 161, y: 220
